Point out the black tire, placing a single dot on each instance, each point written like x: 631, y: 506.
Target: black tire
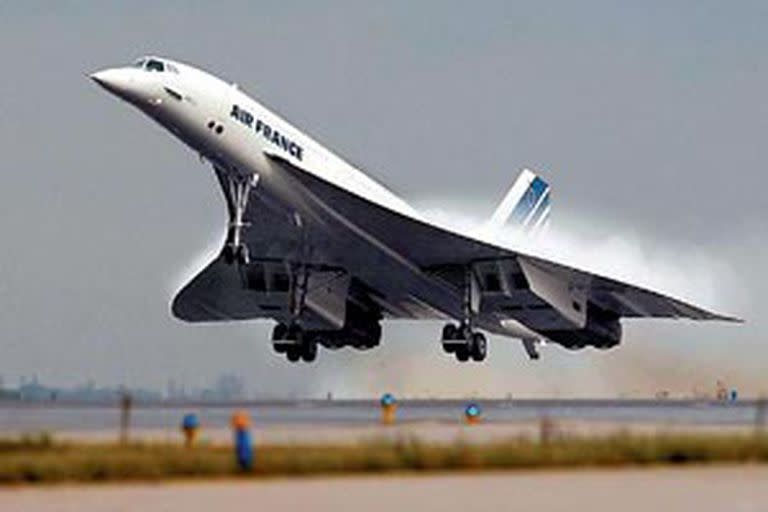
x: 449, y: 348
x: 462, y: 354
x: 294, y: 333
x: 279, y: 332
x: 479, y: 347
x: 450, y: 332
x: 293, y: 354
x: 309, y: 351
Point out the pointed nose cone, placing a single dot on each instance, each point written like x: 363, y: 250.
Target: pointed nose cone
x: 119, y: 82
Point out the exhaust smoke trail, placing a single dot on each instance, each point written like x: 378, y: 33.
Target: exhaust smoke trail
x: 644, y: 363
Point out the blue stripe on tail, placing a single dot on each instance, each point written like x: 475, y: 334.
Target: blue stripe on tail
x: 530, y: 199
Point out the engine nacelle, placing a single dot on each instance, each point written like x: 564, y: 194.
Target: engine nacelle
x: 602, y: 330
x: 361, y: 330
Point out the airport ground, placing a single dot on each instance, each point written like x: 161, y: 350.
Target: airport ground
x: 426, y: 431
x: 703, y: 489
x: 698, y: 485
x: 338, y: 422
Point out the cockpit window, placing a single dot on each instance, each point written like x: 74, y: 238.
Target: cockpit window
x: 155, y: 65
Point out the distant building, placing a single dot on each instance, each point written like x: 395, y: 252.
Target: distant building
x: 227, y: 388
x: 10, y: 395
x: 32, y: 391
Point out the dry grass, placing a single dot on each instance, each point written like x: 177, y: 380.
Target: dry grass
x: 40, y: 459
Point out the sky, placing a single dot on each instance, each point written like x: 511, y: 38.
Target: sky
x: 648, y: 119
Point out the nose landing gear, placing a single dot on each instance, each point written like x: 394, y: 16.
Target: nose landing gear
x: 235, y: 252
x: 462, y: 340
x: 237, y: 191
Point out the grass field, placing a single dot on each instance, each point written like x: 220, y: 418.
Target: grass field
x: 40, y: 459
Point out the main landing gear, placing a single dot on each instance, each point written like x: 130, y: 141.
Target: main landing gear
x: 237, y: 190
x: 463, y: 340
x: 294, y: 343
x: 465, y: 343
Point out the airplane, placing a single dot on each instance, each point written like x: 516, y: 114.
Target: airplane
x: 328, y: 253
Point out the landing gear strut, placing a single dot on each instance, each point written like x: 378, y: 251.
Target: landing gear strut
x: 463, y: 340
x: 294, y: 343
x: 237, y: 190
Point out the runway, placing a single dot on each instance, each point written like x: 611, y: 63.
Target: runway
x: 704, y: 489
x: 26, y: 416
x: 352, y: 421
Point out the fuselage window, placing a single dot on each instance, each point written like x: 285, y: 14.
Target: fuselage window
x: 155, y: 65
x: 172, y: 68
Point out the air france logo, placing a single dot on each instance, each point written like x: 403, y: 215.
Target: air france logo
x: 266, y: 131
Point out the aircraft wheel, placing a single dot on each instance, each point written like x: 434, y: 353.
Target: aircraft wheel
x: 462, y: 354
x: 479, y: 347
x: 294, y: 332
x: 450, y: 332
x: 279, y: 332
x: 293, y: 354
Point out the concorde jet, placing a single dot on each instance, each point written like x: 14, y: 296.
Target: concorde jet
x: 319, y: 247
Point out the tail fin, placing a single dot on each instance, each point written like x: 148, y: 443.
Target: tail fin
x: 526, y: 205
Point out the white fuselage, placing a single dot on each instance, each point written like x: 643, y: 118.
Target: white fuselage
x: 248, y: 133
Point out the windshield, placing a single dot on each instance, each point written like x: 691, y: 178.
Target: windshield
x: 155, y: 65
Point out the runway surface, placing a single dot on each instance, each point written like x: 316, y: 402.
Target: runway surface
x: 31, y: 416
x: 704, y: 489
x: 352, y: 421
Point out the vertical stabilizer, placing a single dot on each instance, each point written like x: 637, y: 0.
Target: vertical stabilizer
x: 525, y: 207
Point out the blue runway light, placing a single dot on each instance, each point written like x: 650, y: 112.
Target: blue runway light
x: 190, y: 421
x: 190, y: 425
x: 388, y: 409
x: 472, y: 413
